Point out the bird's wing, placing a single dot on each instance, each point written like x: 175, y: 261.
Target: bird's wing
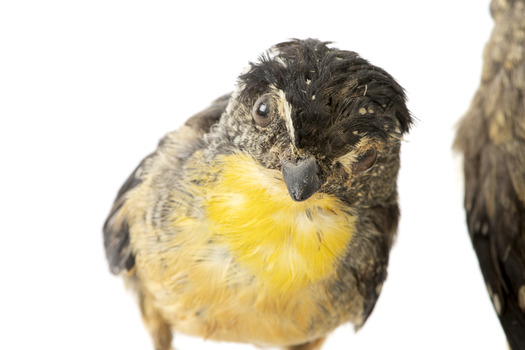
x: 116, y: 228
x: 494, y: 198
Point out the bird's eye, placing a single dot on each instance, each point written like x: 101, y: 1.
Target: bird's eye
x: 366, y: 161
x: 263, y: 111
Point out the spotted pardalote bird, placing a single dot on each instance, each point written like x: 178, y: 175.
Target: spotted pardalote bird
x: 268, y: 218
x: 491, y: 137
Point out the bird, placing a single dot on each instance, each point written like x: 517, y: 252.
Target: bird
x: 268, y: 217
x: 491, y: 139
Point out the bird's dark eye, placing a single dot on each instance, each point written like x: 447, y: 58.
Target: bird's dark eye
x: 263, y: 111
x: 366, y: 161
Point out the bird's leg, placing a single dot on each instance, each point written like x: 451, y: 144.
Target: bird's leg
x: 312, y: 345
x: 157, y: 326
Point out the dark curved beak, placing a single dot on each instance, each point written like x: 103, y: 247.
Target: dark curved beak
x: 302, y: 178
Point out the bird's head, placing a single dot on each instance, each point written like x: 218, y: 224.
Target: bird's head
x: 324, y: 117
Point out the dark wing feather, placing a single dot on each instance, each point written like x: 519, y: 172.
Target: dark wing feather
x: 496, y: 221
x: 386, y: 226
x: 116, y: 228
x: 492, y: 139
x: 204, y: 120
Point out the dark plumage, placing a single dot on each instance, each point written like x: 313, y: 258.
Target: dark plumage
x: 316, y: 81
x: 491, y: 137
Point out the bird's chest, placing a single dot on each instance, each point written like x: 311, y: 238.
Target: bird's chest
x: 282, y: 243
x: 255, y: 266
x: 270, y: 295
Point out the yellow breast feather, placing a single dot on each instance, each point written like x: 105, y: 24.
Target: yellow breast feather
x: 286, y: 244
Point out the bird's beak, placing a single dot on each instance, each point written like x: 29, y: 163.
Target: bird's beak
x: 301, y: 178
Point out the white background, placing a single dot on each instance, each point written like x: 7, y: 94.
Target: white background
x: 88, y: 87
